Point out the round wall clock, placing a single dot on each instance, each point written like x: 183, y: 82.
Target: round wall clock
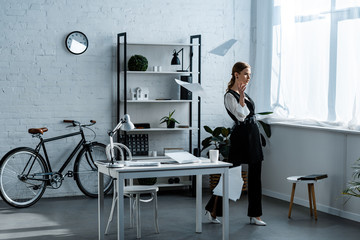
x: 76, y: 42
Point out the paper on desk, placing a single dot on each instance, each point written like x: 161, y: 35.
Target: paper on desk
x: 195, y: 88
x: 182, y: 157
x: 235, y: 184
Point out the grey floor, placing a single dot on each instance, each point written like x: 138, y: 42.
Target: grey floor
x: 76, y: 218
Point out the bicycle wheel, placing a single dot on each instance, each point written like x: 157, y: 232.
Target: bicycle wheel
x: 85, y: 170
x: 22, y: 178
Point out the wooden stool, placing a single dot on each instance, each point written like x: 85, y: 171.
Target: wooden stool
x: 311, y: 191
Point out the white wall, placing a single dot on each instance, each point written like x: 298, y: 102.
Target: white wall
x: 41, y: 83
x: 296, y: 151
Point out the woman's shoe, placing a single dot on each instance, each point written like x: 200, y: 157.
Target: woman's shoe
x: 212, y: 219
x: 256, y: 221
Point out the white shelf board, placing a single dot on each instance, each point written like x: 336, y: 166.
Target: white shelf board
x: 181, y: 184
x: 162, y: 129
x: 160, y: 101
x: 163, y: 44
x: 162, y: 72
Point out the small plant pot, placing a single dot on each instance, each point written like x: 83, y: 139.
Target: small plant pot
x: 171, y: 124
x: 147, y: 181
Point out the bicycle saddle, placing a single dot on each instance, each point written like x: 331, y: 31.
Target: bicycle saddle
x: 37, y: 130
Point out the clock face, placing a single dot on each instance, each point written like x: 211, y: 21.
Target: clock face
x: 76, y: 42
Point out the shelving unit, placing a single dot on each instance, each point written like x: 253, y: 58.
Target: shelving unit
x: 148, y: 111
x: 162, y: 72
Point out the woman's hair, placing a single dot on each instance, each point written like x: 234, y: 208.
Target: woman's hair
x: 238, y: 67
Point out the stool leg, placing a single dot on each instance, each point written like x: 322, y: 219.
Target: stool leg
x: 138, y: 220
x: 156, y: 213
x: 310, y: 201
x: 292, y: 199
x: 314, y: 201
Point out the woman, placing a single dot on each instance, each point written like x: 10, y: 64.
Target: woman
x: 245, y: 147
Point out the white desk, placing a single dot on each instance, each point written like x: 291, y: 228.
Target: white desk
x: 165, y: 170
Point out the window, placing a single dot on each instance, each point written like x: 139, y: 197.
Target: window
x: 314, y: 59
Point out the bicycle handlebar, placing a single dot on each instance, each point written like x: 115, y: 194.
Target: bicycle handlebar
x: 68, y: 121
x: 76, y: 123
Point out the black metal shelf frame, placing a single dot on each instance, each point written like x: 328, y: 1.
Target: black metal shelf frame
x: 122, y: 52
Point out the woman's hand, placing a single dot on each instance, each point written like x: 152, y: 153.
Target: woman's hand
x: 241, y: 89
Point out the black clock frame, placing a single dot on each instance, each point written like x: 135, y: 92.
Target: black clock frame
x: 66, y: 39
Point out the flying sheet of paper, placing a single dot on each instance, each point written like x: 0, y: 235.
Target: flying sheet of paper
x: 235, y: 184
x: 223, y: 48
x: 195, y: 88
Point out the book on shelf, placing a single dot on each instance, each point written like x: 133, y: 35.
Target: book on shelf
x: 313, y: 177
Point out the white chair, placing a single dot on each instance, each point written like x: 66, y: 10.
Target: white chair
x: 134, y: 192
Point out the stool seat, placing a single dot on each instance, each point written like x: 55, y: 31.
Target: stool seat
x: 296, y: 179
x: 311, y: 191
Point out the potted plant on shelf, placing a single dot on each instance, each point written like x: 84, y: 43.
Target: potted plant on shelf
x: 169, y: 120
x: 147, y: 181
x: 137, y: 63
x: 353, y: 187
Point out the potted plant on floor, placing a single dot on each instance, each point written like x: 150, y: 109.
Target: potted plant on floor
x: 220, y: 140
x: 220, y: 137
x: 169, y: 120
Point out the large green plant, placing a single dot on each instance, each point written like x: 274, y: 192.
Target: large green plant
x: 266, y: 127
x: 353, y: 187
x: 220, y: 137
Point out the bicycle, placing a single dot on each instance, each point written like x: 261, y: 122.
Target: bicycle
x: 25, y: 173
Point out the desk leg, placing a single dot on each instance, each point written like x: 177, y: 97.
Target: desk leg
x: 101, y: 227
x: 226, y: 204
x: 198, y: 203
x: 120, y: 208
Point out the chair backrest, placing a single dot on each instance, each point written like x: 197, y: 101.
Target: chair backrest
x: 119, y: 147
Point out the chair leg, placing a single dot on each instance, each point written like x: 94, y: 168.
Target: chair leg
x: 131, y: 209
x: 156, y: 213
x: 138, y: 219
x: 314, y: 201
x: 292, y: 199
x: 112, y: 209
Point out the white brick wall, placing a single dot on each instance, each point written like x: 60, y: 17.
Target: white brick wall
x: 41, y: 83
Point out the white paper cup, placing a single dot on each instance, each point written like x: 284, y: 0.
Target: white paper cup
x: 154, y: 154
x: 214, y: 156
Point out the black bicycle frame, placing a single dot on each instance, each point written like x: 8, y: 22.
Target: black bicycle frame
x: 78, y: 146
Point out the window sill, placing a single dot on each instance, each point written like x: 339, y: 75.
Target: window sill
x: 317, y: 126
